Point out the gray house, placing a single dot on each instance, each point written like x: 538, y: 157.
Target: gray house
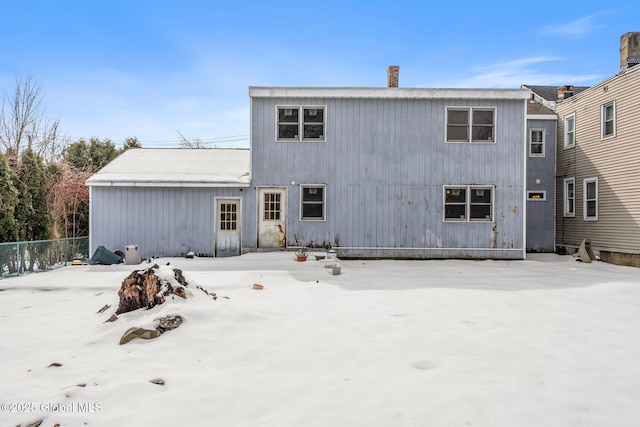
x: 391, y: 172
x: 172, y: 201
x: 541, y: 177
x: 371, y: 172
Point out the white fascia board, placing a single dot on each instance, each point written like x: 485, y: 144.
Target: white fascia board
x: 388, y: 93
x: 172, y: 184
x: 542, y: 117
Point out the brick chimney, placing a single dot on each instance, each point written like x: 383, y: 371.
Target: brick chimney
x: 629, y: 51
x: 565, y: 92
x: 392, y: 75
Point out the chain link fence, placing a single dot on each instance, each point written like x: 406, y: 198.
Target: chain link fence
x: 40, y: 255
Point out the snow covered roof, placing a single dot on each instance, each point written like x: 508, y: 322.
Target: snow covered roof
x: 180, y: 167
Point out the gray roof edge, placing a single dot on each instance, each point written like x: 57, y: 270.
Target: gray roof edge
x: 384, y: 92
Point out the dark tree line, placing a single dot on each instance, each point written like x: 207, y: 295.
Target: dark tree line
x: 42, y: 175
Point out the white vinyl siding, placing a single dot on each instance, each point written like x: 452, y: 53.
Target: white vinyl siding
x: 614, y: 160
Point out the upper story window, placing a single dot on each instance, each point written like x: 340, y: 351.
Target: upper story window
x: 470, y: 124
x: 570, y: 131
x: 301, y: 123
x: 608, y: 115
x: 468, y: 203
x: 536, y: 142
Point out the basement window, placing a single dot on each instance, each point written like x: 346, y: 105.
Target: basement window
x: 538, y: 196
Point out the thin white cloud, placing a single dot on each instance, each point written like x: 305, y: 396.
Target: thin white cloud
x: 575, y: 29
x: 522, y: 62
x: 511, y: 74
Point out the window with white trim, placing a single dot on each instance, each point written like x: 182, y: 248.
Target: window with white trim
x: 229, y: 216
x: 272, y: 206
x: 470, y: 124
x: 591, y: 199
x: 312, y: 202
x: 536, y: 142
x: 301, y: 123
x: 608, y: 114
x: 569, y: 197
x: 537, y: 195
x: 468, y: 203
x: 570, y: 131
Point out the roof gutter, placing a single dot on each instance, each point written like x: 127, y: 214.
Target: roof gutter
x: 172, y: 184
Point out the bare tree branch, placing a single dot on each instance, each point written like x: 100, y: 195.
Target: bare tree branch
x: 191, y: 143
x: 23, y: 123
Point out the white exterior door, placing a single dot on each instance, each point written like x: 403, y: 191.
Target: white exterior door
x: 227, y: 227
x: 271, y: 220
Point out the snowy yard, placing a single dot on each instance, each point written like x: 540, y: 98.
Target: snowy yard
x: 543, y: 342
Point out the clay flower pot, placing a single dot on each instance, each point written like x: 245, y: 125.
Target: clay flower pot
x: 302, y: 255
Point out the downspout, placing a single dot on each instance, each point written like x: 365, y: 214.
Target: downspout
x: 90, y: 220
x: 524, y: 182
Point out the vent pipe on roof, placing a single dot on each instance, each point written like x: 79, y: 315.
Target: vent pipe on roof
x: 393, y: 73
x: 629, y: 51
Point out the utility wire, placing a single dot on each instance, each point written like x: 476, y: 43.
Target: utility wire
x: 211, y: 140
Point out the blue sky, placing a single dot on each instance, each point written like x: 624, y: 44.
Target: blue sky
x: 150, y: 69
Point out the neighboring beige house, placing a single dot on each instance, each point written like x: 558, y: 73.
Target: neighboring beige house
x: 598, y: 163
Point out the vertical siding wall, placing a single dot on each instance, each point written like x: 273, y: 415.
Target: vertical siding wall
x: 541, y: 214
x: 161, y: 221
x: 614, y: 160
x: 385, y: 163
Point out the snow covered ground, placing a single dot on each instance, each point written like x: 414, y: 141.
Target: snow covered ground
x: 543, y: 342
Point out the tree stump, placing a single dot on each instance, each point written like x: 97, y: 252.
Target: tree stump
x: 145, y: 289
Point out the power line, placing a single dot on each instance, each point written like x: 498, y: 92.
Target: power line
x: 210, y: 140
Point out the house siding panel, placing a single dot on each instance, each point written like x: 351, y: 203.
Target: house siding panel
x: 161, y: 221
x: 385, y: 162
x: 613, y: 160
x: 541, y: 214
